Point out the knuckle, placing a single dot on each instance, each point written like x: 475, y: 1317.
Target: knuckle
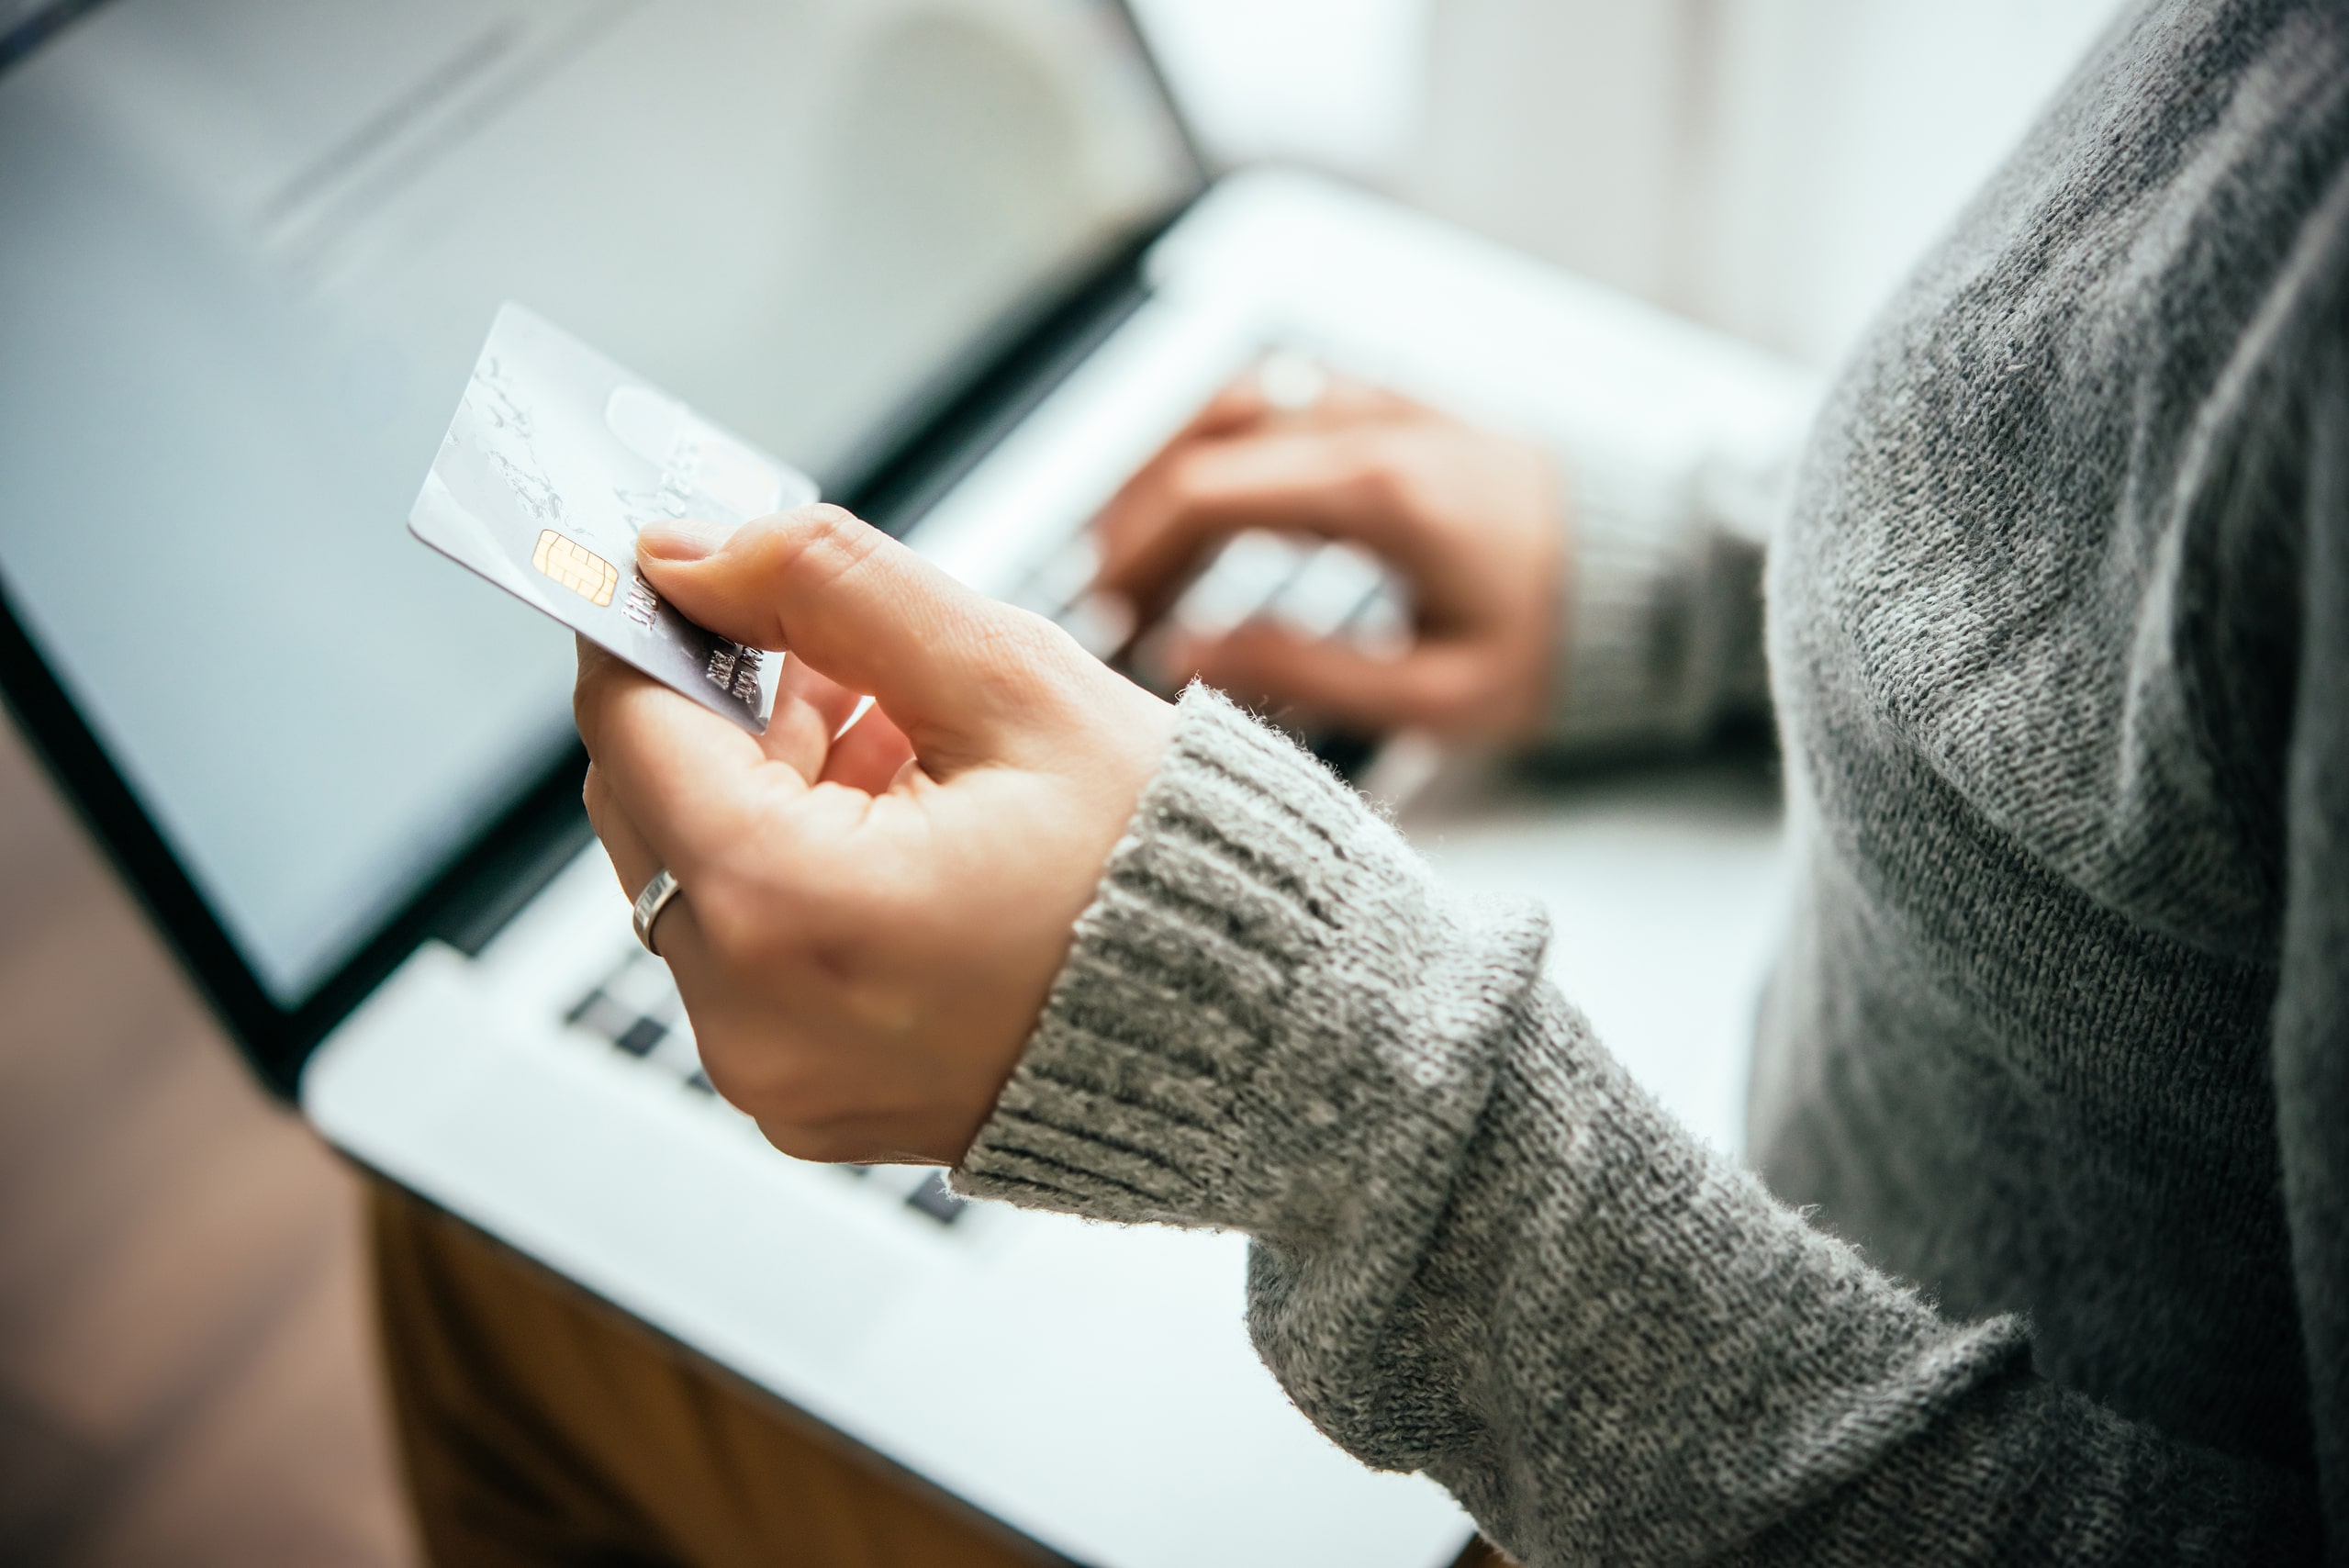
x: 1179, y: 508
x: 1031, y: 636
x: 1023, y: 651
x: 816, y: 544
x: 744, y: 939
x: 1367, y: 458
x: 1182, y: 481
x: 831, y: 537
x: 736, y: 925
x: 827, y: 521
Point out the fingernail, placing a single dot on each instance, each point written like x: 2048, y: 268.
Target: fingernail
x: 683, y: 539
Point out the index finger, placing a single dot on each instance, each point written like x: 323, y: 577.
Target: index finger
x: 1341, y: 484
x: 1163, y: 522
x: 695, y: 784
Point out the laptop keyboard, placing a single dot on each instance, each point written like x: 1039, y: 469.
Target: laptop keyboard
x: 634, y: 1010
x: 1316, y: 588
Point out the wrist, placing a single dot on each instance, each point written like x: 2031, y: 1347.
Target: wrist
x: 1230, y: 1010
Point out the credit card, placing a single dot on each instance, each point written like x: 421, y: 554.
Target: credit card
x: 556, y: 460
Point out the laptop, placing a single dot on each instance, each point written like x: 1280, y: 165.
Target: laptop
x: 956, y: 258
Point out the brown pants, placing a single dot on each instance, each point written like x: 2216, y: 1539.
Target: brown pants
x: 540, y: 1427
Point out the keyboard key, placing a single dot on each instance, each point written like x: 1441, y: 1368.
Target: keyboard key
x: 599, y: 1014
x: 1381, y: 626
x: 640, y: 1037
x: 934, y: 1198
x: 1237, y: 585
x: 1326, y: 592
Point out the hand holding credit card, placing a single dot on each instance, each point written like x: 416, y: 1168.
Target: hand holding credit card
x: 556, y: 459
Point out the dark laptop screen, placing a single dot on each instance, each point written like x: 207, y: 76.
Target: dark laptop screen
x: 248, y: 249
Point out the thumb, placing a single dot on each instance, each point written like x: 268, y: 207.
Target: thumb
x: 954, y: 670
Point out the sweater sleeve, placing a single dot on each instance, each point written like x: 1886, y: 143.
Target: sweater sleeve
x: 2311, y: 1017
x: 1659, y: 610
x: 1481, y: 1251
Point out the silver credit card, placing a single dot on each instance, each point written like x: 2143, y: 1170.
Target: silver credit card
x: 556, y: 458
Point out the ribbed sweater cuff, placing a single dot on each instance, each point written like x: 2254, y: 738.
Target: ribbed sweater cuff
x: 1251, y: 966
x: 1623, y: 674
x: 1660, y: 606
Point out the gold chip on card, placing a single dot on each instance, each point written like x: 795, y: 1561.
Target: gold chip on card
x: 576, y: 567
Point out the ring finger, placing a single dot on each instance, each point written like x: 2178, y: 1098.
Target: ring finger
x: 636, y: 864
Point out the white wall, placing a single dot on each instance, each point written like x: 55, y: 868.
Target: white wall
x: 1332, y: 82
x: 1773, y: 167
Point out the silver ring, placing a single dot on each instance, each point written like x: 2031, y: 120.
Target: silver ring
x: 649, y: 905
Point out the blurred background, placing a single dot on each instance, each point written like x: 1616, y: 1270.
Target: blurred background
x: 1771, y: 167
x: 185, y: 1371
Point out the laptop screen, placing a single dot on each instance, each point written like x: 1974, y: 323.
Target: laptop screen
x: 251, y: 247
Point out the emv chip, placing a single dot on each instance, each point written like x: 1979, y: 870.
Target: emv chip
x: 576, y: 567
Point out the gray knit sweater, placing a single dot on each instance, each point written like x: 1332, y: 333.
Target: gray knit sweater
x: 2057, y: 1057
